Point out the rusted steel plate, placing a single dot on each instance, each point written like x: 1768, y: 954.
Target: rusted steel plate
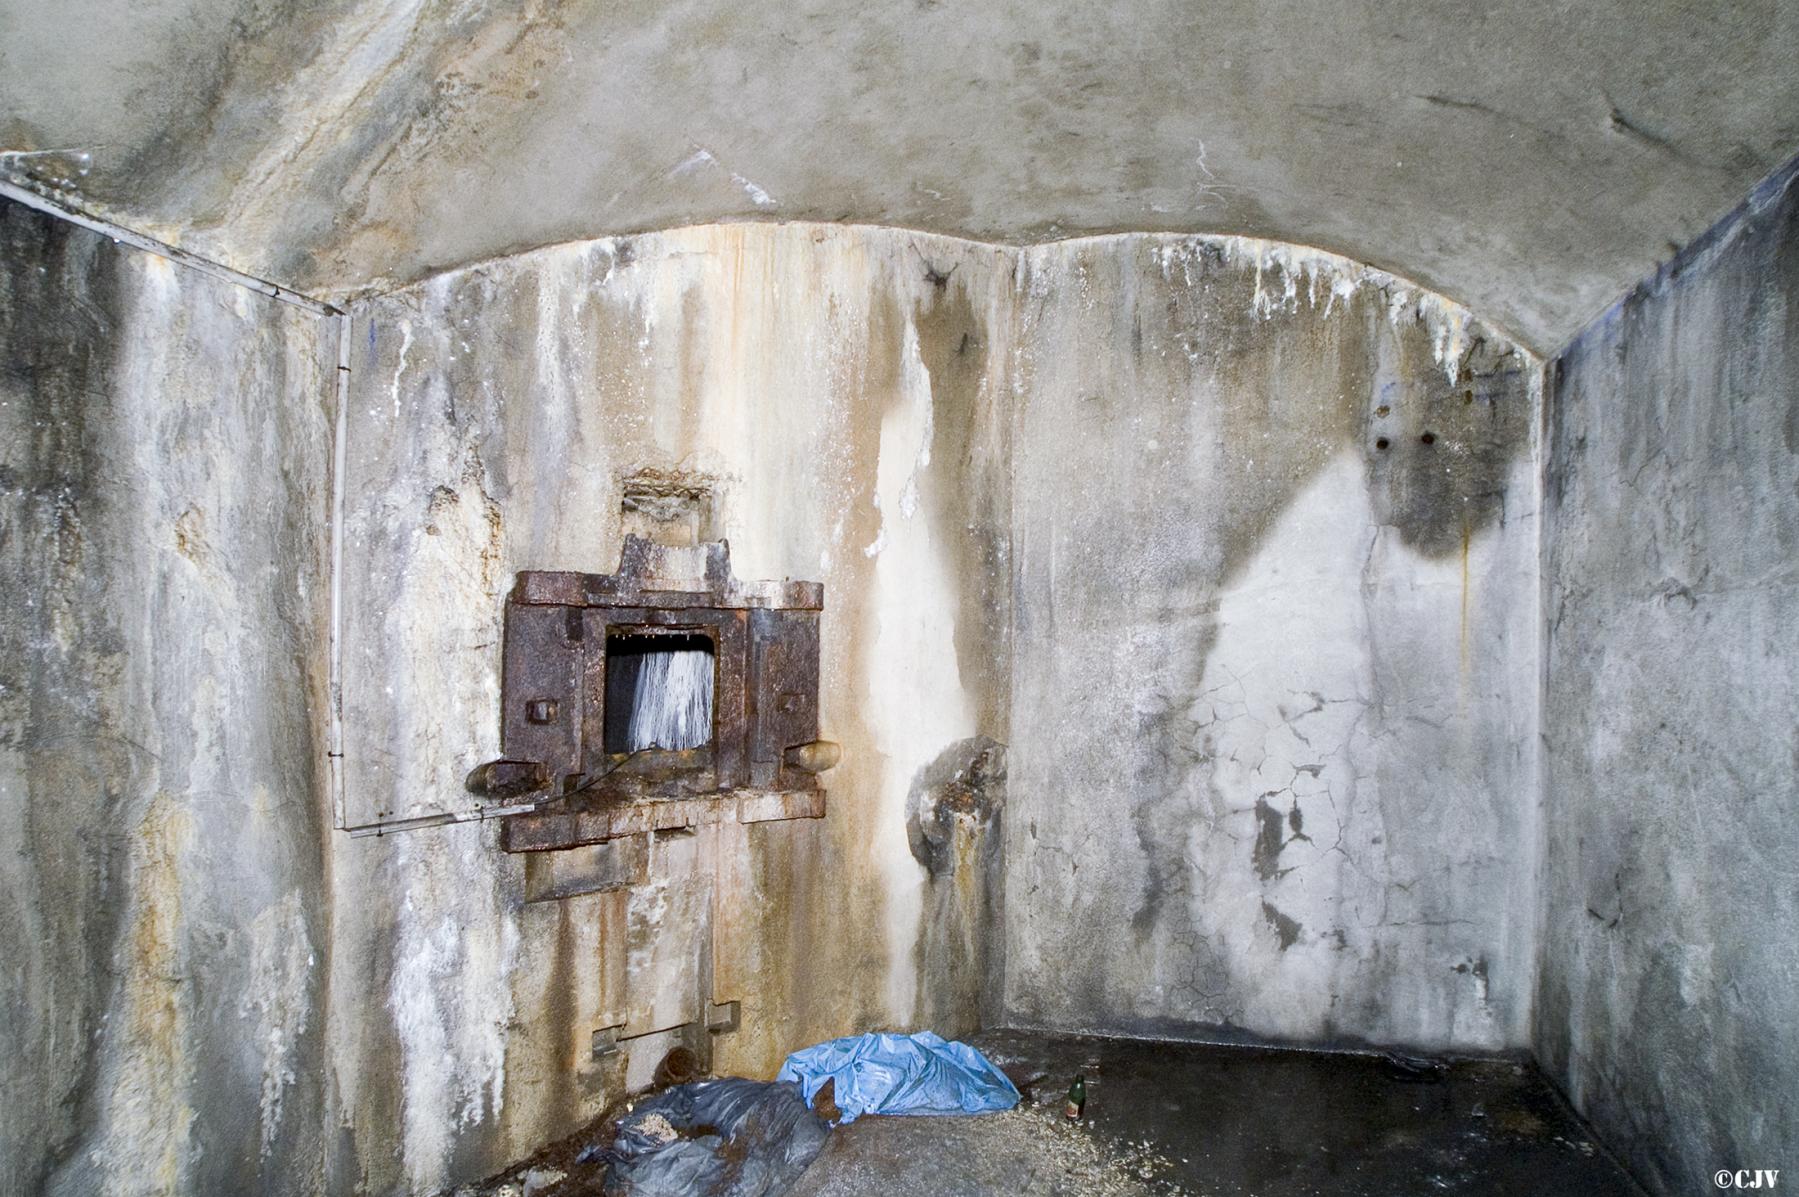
x: 540, y: 691
x: 765, y: 651
x: 550, y: 830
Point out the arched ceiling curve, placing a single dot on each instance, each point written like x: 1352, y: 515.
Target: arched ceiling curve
x: 1530, y: 160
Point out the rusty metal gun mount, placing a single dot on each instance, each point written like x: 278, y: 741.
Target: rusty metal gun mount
x: 764, y: 750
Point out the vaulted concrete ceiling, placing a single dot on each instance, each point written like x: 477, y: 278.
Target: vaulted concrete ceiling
x: 1530, y: 158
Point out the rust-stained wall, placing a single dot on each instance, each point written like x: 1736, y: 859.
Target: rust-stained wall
x: 1252, y: 709
x: 164, y: 913
x: 1116, y: 580
x: 847, y: 389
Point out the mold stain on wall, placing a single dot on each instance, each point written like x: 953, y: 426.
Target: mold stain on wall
x: 1671, y: 913
x: 57, y: 313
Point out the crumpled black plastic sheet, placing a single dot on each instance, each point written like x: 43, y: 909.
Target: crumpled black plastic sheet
x: 723, y: 1138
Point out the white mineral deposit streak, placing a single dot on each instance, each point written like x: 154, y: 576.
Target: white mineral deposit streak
x: 918, y: 704
x: 400, y: 365
x: 1279, y: 268
x: 704, y: 157
x: 758, y: 196
x: 425, y: 1047
x: 449, y: 996
x: 672, y: 704
x: 908, y: 499
x: 281, y: 962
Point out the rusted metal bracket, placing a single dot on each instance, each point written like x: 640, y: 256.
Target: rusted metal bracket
x: 721, y: 1019
x: 606, y: 1041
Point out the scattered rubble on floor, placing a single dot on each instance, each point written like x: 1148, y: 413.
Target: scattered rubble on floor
x: 1029, y: 1150
x: 1169, y: 1119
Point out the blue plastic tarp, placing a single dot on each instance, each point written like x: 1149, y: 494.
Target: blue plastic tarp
x: 901, y: 1074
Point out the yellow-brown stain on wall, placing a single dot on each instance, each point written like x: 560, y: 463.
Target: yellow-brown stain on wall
x: 148, y: 1101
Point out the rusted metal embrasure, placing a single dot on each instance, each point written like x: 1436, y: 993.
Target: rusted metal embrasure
x: 763, y: 638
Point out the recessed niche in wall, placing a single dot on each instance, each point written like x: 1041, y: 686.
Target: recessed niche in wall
x: 670, y: 507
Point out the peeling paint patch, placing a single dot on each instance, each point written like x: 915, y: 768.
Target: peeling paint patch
x: 1286, y: 929
x: 963, y: 787
x: 1270, y: 839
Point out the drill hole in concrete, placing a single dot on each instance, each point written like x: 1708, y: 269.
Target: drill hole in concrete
x: 1429, y: 438
x: 1381, y: 442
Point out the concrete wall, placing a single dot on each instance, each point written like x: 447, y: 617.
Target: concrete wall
x: 1186, y: 428
x: 1671, y: 943
x: 1115, y: 575
x: 163, y: 901
x: 844, y: 387
x: 208, y: 990
x: 1274, y: 684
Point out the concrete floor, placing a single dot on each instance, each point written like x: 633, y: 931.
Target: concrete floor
x: 1168, y: 1119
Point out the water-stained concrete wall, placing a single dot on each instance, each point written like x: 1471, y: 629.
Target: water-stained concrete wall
x: 1196, y: 573
x: 1274, y: 672
x: 163, y: 908
x: 1671, y: 942
x: 845, y: 388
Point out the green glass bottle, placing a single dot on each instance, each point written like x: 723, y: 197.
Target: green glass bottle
x: 1077, y: 1098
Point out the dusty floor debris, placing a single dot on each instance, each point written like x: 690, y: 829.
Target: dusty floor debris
x: 1031, y: 1149
x: 1197, y: 1120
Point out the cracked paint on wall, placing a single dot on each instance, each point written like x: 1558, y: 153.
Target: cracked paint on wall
x: 1273, y: 661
